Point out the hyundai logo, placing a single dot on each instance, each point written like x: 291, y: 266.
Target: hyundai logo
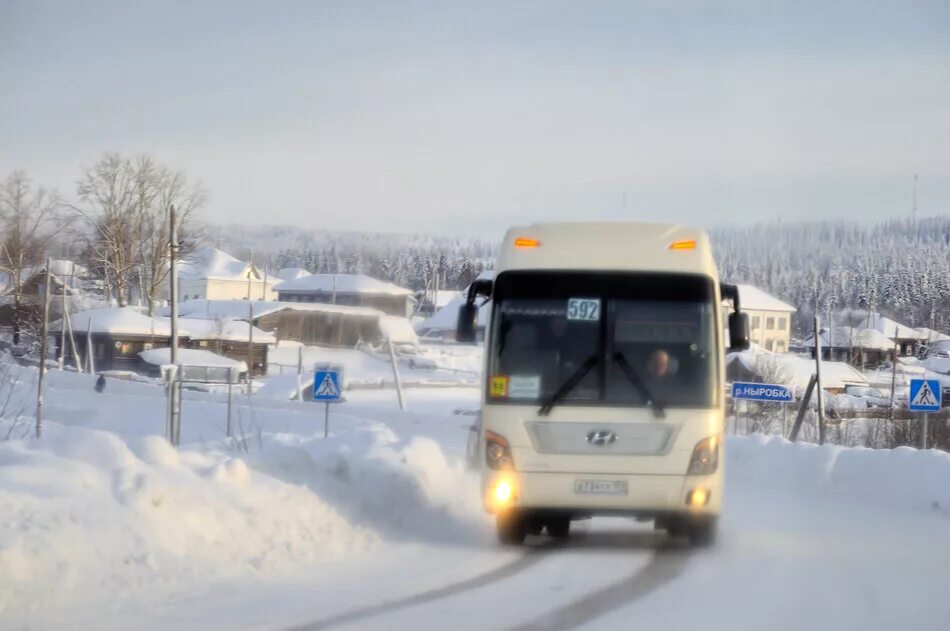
x: 602, y: 438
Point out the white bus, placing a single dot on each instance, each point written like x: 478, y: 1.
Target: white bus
x: 604, y: 378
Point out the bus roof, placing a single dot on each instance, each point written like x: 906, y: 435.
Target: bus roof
x: 618, y: 246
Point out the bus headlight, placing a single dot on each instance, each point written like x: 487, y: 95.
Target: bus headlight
x: 498, y: 452
x: 705, y: 458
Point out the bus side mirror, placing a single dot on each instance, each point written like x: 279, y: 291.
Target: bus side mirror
x: 468, y: 318
x: 738, y: 331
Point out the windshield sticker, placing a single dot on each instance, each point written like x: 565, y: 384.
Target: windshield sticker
x: 524, y: 387
x: 499, y: 386
x: 586, y: 309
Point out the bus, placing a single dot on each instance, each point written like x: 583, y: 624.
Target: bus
x: 603, y: 387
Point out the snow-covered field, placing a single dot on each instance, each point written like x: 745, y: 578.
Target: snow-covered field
x: 104, y: 525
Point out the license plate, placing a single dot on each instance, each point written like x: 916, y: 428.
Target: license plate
x: 600, y: 487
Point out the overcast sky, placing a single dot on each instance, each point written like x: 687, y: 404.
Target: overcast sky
x: 463, y: 118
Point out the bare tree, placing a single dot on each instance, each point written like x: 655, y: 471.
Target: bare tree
x: 29, y: 220
x: 159, y: 188
x: 126, y: 203
x: 108, y: 192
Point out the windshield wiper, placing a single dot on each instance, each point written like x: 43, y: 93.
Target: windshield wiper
x: 569, y: 385
x: 638, y: 383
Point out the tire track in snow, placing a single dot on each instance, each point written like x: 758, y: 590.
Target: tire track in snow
x: 531, y: 557
x: 665, y: 565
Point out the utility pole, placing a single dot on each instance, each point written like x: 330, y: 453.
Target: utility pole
x: 250, y: 331
x: 913, y: 208
x: 89, y: 360
x: 821, y: 400
x: 43, y: 348
x: 62, y: 347
x: 174, y: 414
x: 890, y: 411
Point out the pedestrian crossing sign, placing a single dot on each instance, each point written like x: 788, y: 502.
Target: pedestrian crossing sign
x: 326, y: 385
x: 925, y: 395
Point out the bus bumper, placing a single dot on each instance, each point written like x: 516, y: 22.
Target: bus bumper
x: 603, y: 494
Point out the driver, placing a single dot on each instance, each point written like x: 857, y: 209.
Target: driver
x: 659, y: 364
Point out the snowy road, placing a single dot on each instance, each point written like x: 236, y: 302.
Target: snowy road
x: 379, y: 526
x: 615, y: 567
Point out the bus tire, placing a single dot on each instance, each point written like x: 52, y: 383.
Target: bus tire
x: 702, y: 532
x: 559, y: 527
x: 511, y: 527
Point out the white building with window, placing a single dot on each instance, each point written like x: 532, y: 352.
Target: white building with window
x: 770, y: 319
x: 211, y: 274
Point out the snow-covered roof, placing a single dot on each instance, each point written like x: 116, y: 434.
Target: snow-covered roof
x: 343, y: 283
x: 292, y: 273
x: 208, y: 262
x: 190, y: 357
x: 446, y: 318
x: 752, y: 298
x: 930, y: 335
x: 397, y: 329
x: 444, y: 297
x: 201, y: 328
x: 796, y: 371
x: 892, y: 329
x: 115, y: 320
x: 238, y: 309
x: 851, y: 337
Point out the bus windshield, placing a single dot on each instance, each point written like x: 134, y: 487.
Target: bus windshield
x: 627, y: 339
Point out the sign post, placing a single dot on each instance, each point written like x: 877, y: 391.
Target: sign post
x: 773, y: 392
x: 768, y: 392
x: 328, y: 388
x: 925, y: 396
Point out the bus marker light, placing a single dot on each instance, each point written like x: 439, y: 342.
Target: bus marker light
x: 689, y: 244
x: 527, y: 242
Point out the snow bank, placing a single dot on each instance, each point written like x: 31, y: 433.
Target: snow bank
x: 902, y: 479
x: 402, y: 489
x: 93, y: 516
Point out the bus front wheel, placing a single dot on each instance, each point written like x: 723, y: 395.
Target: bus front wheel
x: 700, y: 532
x: 512, y: 528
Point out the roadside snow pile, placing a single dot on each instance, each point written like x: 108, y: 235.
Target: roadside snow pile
x: 86, y: 514
x: 403, y: 489
x: 902, y: 479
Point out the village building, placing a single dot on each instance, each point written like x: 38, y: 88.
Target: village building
x: 770, y: 319
x: 116, y: 338
x: 428, y: 303
x: 231, y: 338
x: 314, y: 324
x: 68, y: 279
x: 209, y: 273
x: 355, y: 290
x: 201, y: 365
x: 291, y: 273
x: 864, y: 348
x: 907, y: 340
x: 759, y: 366
x: 113, y: 337
x: 442, y: 324
x: 929, y: 336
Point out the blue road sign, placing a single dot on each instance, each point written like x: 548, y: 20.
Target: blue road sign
x: 326, y: 385
x: 762, y: 392
x: 925, y: 395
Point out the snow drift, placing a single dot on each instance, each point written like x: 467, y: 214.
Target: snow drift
x: 89, y: 514
x: 902, y: 479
